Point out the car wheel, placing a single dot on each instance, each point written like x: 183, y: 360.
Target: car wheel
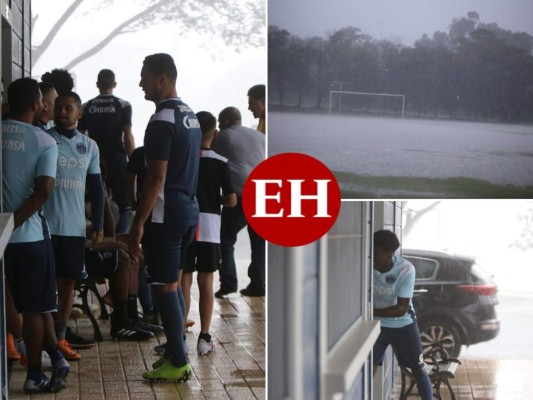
x: 433, y: 331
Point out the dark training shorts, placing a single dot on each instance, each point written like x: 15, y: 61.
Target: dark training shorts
x: 69, y: 252
x: 202, y: 257
x: 31, y: 276
x: 101, y: 263
x: 164, y: 248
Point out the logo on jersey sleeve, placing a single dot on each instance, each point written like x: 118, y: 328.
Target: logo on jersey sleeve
x: 190, y: 123
x: 82, y: 148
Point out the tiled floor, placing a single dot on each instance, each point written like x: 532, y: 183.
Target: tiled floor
x: 491, y: 380
x: 235, y: 370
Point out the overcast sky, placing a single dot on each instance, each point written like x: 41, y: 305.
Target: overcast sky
x: 406, y: 20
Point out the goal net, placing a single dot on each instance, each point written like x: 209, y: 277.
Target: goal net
x: 352, y: 102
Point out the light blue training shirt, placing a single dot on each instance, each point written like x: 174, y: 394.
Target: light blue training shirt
x: 28, y: 153
x: 399, y: 281
x: 65, y: 210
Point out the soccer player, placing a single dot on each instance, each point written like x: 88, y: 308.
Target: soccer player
x: 107, y: 120
x: 394, y: 282
x: 203, y: 255
x: 167, y: 214
x: 29, y: 162
x: 78, y: 165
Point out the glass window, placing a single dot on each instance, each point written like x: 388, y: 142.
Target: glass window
x: 426, y: 269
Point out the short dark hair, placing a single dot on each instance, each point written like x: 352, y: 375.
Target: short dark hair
x: 74, y: 95
x: 161, y: 64
x: 61, y: 79
x: 46, y: 87
x: 232, y: 114
x: 106, y: 79
x: 21, y: 94
x: 387, y: 240
x: 207, y: 121
x: 257, y: 92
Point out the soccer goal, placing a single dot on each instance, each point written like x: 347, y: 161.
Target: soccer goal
x: 368, y: 101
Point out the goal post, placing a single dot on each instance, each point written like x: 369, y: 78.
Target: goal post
x: 341, y: 92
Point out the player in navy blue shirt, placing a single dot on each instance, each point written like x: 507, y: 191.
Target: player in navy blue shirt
x: 167, y: 214
x: 107, y: 120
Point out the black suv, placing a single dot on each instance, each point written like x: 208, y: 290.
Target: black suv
x: 453, y: 298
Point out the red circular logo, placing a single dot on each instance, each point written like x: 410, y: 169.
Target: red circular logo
x: 291, y: 199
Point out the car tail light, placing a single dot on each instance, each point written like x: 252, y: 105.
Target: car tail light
x: 485, y: 290
x: 489, y: 326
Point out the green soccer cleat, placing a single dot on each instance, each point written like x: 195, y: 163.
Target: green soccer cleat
x: 169, y: 373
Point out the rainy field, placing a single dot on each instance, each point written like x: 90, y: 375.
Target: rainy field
x: 411, y: 158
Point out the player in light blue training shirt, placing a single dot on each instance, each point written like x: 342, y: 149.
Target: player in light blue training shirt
x: 29, y: 160
x: 394, y: 281
x: 78, y: 168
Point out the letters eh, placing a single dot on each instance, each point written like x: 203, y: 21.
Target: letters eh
x: 261, y: 197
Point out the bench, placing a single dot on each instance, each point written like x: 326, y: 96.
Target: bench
x: 439, y: 367
x: 84, y: 287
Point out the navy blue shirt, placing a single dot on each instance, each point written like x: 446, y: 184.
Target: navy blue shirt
x: 173, y: 134
x: 104, y: 118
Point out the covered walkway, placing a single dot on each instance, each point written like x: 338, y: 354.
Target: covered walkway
x: 112, y: 369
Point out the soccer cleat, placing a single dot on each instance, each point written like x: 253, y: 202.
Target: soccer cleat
x: 78, y: 342
x: 205, y: 346
x: 146, y: 326
x: 59, y: 375
x: 159, y: 362
x: 37, y: 386
x: 169, y: 373
x: 128, y: 331
x: 12, y: 353
x: 67, y: 351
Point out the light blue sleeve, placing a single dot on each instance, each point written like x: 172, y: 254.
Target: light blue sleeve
x: 94, y: 164
x: 47, y: 163
x: 406, y: 285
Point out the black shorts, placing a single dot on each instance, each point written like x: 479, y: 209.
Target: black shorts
x: 101, y: 263
x: 69, y: 252
x: 31, y: 276
x: 202, y: 257
x: 164, y: 248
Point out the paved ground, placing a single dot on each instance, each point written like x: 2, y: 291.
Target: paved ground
x: 236, y: 369
x: 490, y: 380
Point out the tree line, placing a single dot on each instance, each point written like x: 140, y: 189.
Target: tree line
x: 474, y: 71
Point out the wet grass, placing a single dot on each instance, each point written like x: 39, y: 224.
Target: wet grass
x: 354, y: 186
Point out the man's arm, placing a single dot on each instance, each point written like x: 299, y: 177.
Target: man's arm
x: 129, y: 140
x: 42, y: 191
x: 397, y: 310
x: 153, y: 183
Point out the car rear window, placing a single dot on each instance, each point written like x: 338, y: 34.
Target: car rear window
x: 425, y: 268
